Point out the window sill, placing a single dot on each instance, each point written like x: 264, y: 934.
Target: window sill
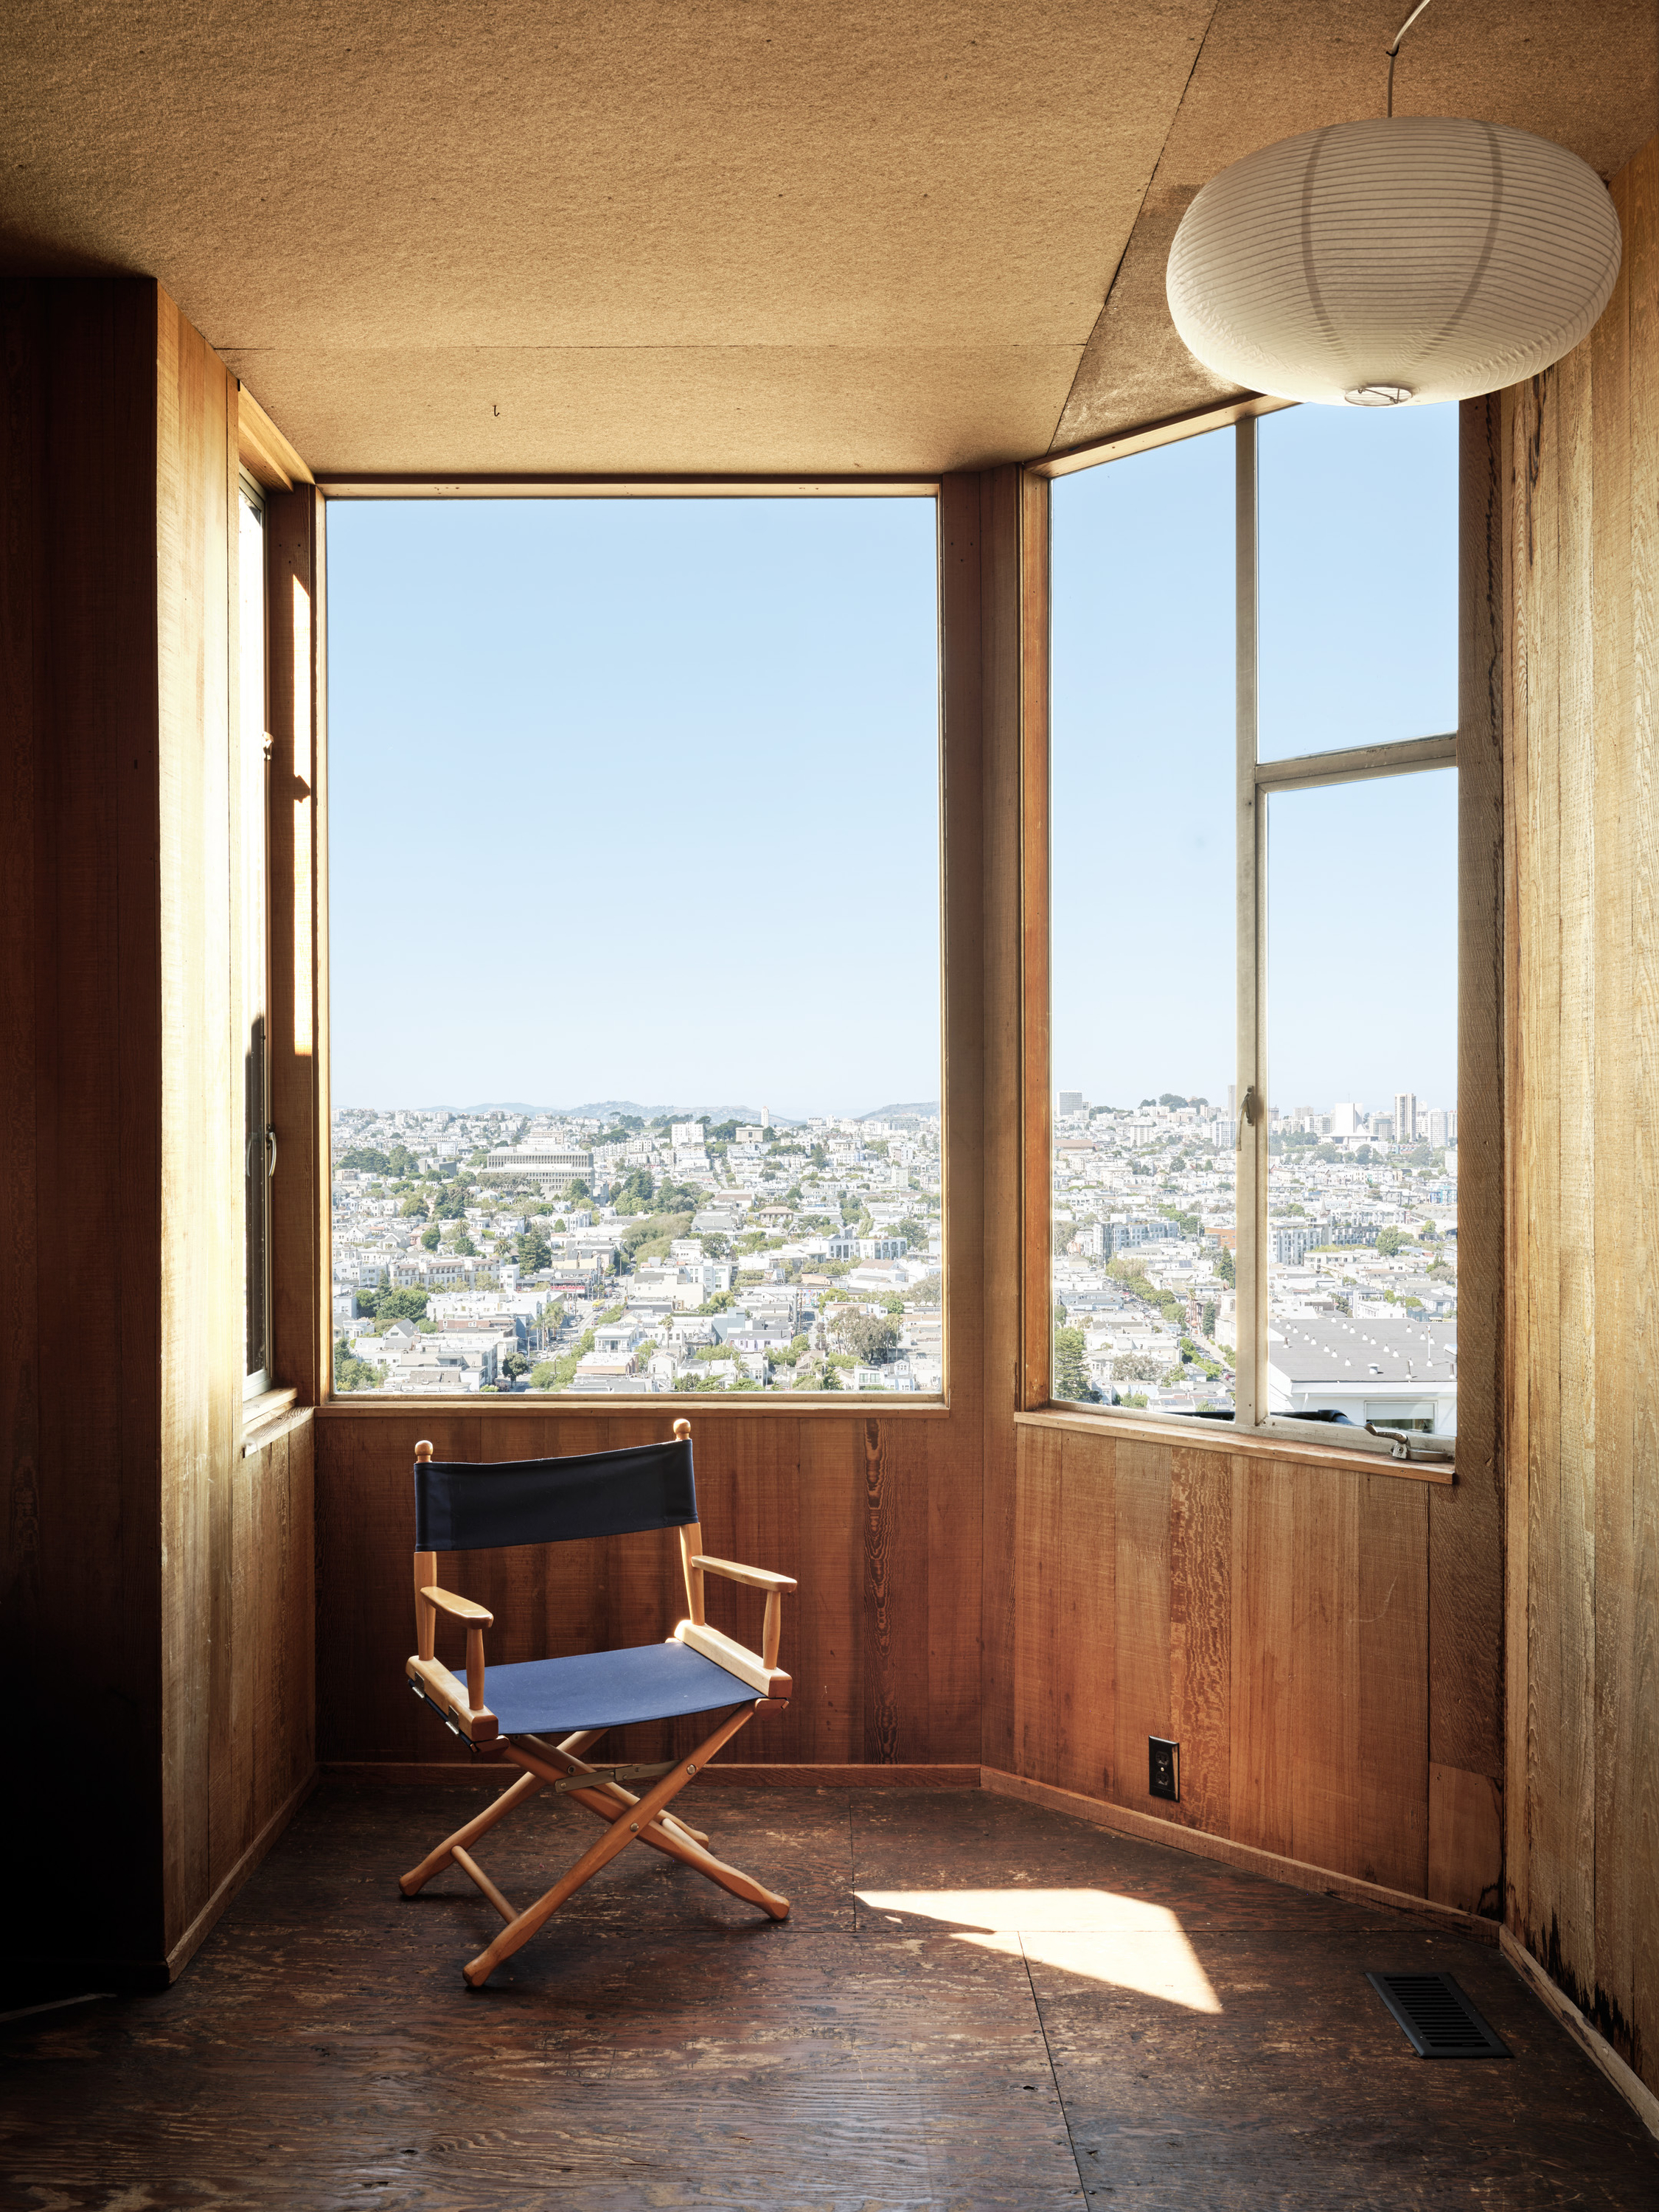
x: 1220, y: 1436
x: 580, y: 1406
x: 266, y: 1417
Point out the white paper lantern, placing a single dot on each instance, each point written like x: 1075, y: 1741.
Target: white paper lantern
x: 1391, y: 262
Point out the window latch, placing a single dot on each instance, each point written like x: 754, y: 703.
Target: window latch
x: 1249, y: 1110
x: 270, y: 1151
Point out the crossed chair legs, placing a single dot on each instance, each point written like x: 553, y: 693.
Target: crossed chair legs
x: 629, y: 1819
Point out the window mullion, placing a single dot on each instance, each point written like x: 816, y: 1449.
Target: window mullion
x: 1251, y: 1287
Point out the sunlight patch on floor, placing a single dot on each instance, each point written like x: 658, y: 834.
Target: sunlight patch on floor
x: 1125, y: 1940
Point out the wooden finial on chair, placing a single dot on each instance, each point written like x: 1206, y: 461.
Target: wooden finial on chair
x: 682, y: 1431
x: 423, y: 1450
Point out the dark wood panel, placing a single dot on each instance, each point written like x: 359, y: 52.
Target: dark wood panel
x: 150, y: 1589
x: 82, y: 1159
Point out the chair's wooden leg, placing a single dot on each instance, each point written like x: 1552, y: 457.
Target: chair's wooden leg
x: 565, y: 1756
x: 620, y: 1832
x: 717, y: 1871
x: 527, y: 1785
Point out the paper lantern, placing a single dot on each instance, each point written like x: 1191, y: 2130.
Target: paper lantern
x: 1394, y: 262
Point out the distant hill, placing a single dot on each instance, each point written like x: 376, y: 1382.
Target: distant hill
x: 913, y: 1113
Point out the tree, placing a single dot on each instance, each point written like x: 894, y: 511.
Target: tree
x: 1225, y: 1268
x: 1389, y: 1240
x: 388, y: 1305
x: 363, y: 1157
x: 399, y: 1161
x: 451, y: 1203
x: 464, y: 1245
x: 430, y: 1237
x: 1428, y: 1234
x: 1207, y: 1318
x: 636, y: 1191
x: 870, y: 1338
x: 575, y: 1191
x: 1071, y: 1375
x: 413, y: 1207
x: 892, y: 1303
x: 515, y: 1364
x: 1134, y: 1367
x: 715, y: 1246
x: 534, y: 1251
x: 543, y: 1375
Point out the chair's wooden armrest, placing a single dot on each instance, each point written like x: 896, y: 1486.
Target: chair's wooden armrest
x: 459, y: 1608
x: 756, y: 1577
x: 762, y: 1675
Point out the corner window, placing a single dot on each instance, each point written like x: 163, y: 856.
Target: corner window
x: 1252, y: 817
x: 251, y: 796
x: 635, y: 899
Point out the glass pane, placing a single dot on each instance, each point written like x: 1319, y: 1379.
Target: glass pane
x: 634, y: 923
x: 1143, y: 965
x: 251, y: 800
x: 1358, y: 576
x: 1362, y: 1179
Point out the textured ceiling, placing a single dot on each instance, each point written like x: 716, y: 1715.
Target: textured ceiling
x: 739, y: 235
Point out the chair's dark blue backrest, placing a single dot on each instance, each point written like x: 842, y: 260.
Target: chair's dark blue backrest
x: 474, y: 1508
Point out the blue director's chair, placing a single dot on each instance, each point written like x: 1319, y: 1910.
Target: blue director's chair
x: 460, y: 1508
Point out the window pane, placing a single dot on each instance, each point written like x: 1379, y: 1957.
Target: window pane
x: 1143, y: 965
x: 1362, y: 1181
x: 251, y: 801
x: 1358, y: 576
x: 634, y: 905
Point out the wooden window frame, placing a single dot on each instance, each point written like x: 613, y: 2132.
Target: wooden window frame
x: 955, y: 890
x: 1475, y: 748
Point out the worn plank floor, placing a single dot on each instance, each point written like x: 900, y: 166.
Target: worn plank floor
x: 976, y: 2003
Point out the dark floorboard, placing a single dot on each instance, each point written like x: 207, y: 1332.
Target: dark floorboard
x: 976, y: 2003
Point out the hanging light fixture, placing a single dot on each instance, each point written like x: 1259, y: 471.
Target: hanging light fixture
x: 1394, y: 262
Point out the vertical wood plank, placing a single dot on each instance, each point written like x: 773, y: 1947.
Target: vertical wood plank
x: 1639, y: 209
x: 1616, y: 1109
x: 1394, y: 1686
x: 1043, y: 1655
x: 828, y: 1611
x: 1200, y: 1634
x: 1142, y: 1627
x: 1325, y: 1661
x: 1264, y: 1749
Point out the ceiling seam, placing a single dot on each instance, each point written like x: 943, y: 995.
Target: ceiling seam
x: 1175, y: 117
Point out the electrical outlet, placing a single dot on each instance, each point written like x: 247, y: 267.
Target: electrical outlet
x: 1162, y: 1768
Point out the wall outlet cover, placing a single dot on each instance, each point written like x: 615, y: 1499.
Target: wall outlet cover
x: 1163, y: 1768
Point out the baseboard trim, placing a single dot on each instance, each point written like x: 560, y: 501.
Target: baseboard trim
x: 191, y: 1941
x: 1297, y: 1873
x: 1555, y: 1999
x: 493, y: 1773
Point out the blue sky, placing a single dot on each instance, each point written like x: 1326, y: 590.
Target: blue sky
x: 638, y: 799
x: 635, y: 799
x: 1358, y: 559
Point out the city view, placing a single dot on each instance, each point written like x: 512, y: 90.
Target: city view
x: 1361, y: 1259
x: 615, y: 1250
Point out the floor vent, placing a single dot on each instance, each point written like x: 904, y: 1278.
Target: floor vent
x: 1437, y: 2018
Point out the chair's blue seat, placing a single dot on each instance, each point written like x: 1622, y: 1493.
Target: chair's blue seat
x: 608, y: 1689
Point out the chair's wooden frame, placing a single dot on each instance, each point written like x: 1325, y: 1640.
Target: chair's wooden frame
x: 561, y: 1765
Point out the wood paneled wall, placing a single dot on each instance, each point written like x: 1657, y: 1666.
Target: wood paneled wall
x: 1581, y: 447
x: 879, y: 1512
x: 159, y: 1650
x: 1275, y: 1617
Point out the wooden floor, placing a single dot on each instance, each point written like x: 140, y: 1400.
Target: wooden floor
x: 1102, y: 2022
